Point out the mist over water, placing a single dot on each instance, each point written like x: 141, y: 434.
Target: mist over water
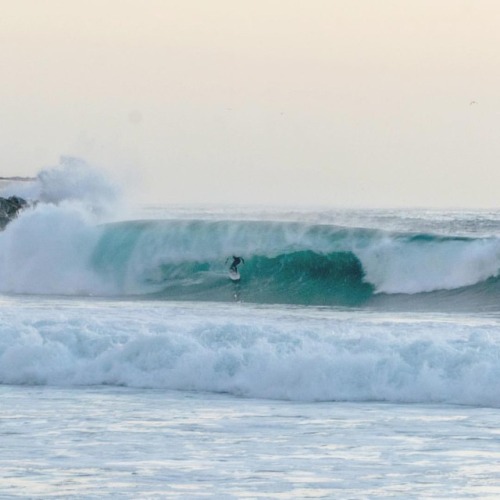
x: 72, y: 180
x: 46, y: 249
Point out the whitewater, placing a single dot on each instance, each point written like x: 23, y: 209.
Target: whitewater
x: 357, y: 357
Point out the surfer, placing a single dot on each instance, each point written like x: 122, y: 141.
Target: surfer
x: 236, y: 262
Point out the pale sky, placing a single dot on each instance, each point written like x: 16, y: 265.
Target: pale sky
x: 343, y: 103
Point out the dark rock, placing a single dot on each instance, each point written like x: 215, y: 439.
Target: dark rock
x: 9, y: 208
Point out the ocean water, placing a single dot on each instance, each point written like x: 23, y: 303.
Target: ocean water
x: 357, y: 357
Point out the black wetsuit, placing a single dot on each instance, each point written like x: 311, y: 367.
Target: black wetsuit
x: 236, y: 262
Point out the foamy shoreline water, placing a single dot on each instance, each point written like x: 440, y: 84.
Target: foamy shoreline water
x: 122, y: 443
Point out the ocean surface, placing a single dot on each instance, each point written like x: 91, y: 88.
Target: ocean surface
x: 357, y: 357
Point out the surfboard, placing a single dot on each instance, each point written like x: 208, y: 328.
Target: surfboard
x: 234, y: 275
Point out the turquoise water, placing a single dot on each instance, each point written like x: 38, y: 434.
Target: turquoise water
x: 286, y: 262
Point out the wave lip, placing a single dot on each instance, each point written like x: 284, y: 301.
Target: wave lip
x: 426, y: 263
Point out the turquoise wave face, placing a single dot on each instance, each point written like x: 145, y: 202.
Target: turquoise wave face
x: 289, y: 263
x: 284, y: 263
x: 297, y: 278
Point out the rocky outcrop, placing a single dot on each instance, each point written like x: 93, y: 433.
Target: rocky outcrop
x: 9, y: 208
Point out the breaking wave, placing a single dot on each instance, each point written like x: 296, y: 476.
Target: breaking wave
x: 61, y: 246
x: 251, y: 351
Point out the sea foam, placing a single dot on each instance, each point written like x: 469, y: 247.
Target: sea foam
x: 47, y: 248
x: 246, y: 351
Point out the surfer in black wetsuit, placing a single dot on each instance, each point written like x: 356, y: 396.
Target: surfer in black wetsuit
x: 236, y: 262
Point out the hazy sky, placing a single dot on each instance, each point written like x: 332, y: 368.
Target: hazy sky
x: 341, y: 102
